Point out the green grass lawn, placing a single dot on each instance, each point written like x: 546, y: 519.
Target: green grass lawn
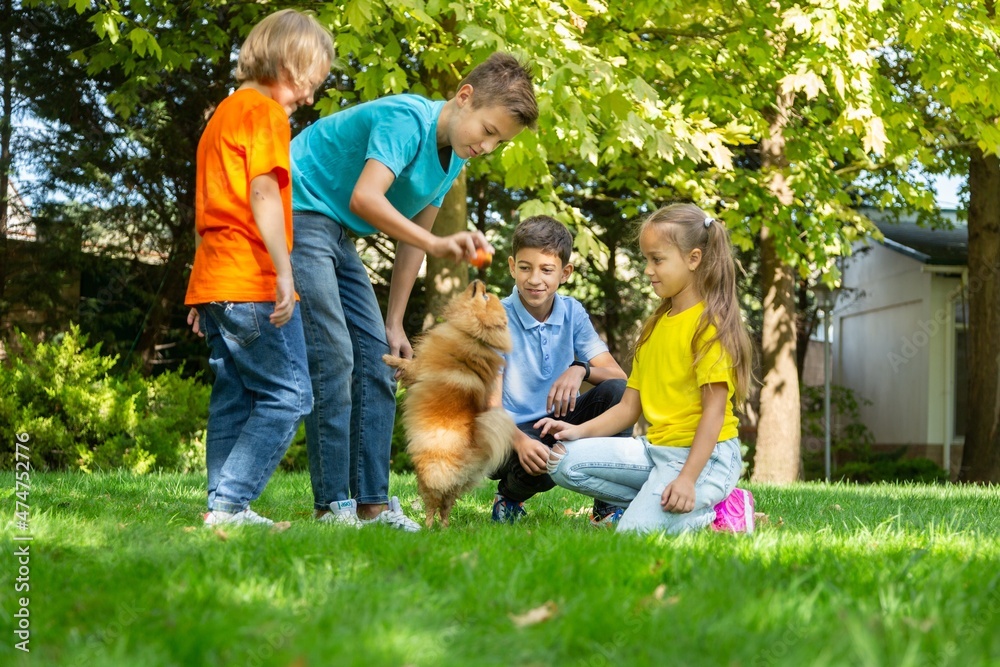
x: 122, y: 574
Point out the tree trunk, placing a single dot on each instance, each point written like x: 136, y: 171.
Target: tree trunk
x: 981, y: 454
x: 445, y: 277
x: 778, y: 457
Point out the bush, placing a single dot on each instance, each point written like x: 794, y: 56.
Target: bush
x: 78, y: 416
x: 853, y: 458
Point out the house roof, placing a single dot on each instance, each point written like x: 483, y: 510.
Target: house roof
x: 946, y: 247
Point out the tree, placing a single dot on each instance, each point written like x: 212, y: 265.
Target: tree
x: 598, y: 115
x: 120, y: 137
x: 951, y: 51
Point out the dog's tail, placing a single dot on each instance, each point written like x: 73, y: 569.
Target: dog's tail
x: 406, y: 376
x: 495, y: 434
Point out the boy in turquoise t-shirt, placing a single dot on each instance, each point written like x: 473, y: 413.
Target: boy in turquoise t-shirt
x: 385, y: 166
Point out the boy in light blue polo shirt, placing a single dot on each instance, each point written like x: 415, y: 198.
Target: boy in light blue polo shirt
x: 382, y: 166
x: 555, y: 350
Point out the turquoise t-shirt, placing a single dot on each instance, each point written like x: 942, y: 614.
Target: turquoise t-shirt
x: 400, y: 131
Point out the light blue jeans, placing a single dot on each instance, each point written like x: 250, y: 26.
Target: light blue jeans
x: 631, y: 473
x: 349, y: 433
x: 260, y: 393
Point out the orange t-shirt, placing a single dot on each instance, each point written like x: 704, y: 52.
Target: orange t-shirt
x: 247, y: 136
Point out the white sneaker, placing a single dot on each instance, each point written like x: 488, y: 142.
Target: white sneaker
x: 245, y: 518
x: 343, y: 513
x: 394, y: 518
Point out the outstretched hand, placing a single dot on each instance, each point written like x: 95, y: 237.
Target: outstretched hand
x: 559, y: 430
x: 462, y: 246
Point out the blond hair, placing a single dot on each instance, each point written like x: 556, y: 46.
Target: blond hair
x: 688, y: 227
x: 285, y: 46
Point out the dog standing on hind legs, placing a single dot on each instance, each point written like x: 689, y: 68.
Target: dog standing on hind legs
x: 454, y: 437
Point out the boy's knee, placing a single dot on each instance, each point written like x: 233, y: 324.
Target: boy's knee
x: 615, y: 389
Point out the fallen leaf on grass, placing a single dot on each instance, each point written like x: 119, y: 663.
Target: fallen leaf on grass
x: 836, y: 508
x: 189, y: 529
x: 281, y: 526
x: 658, y: 598
x: 535, y: 616
x: 583, y: 511
x: 221, y: 534
x: 760, y: 517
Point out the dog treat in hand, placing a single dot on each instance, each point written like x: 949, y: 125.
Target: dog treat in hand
x: 482, y: 259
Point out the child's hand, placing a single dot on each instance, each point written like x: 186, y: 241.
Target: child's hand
x: 558, y: 429
x: 678, y: 497
x: 399, y: 346
x: 284, y: 300
x: 195, y: 321
x: 562, y: 395
x: 462, y: 246
x: 533, y: 455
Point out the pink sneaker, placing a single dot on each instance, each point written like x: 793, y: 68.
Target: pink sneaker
x: 735, y: 513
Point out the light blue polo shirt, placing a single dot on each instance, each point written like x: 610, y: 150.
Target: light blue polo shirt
x: 400, y: 131
x: 542, y: 351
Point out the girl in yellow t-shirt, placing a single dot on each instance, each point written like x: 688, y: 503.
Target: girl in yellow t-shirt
x: 693, y: 358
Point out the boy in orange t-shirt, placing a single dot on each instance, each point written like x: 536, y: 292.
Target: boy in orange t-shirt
x: 241, y: 289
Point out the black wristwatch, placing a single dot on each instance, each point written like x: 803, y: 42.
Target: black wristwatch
x: 584, y: 365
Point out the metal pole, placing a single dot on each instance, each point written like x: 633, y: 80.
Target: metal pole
x: 827, y: 371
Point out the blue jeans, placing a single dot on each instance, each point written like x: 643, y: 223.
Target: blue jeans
x: 630, y: 472
x: 518, y: 484
x: 349, y: 433
x: 260, y: 394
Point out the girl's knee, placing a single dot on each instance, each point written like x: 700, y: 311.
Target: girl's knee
x: 556, y: 455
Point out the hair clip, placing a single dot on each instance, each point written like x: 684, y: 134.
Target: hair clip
x: 709, y: 221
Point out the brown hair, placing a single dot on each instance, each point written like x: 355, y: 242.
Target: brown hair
x: 688, y: 227
x: 285, y: 45
x: 502, y: 80
x: 543, y: 233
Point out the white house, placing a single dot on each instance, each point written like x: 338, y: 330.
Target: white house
x: 899, y: 337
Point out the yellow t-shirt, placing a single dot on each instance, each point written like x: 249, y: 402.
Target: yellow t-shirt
x: 669, y: 383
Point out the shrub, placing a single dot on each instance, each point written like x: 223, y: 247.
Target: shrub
x: 78, y: 416
x: 851, y: 442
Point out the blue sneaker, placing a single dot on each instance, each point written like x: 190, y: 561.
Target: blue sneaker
x: 507, y: 511
x: 604, y: 514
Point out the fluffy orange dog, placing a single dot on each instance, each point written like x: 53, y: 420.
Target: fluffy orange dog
x: 454, y: 438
